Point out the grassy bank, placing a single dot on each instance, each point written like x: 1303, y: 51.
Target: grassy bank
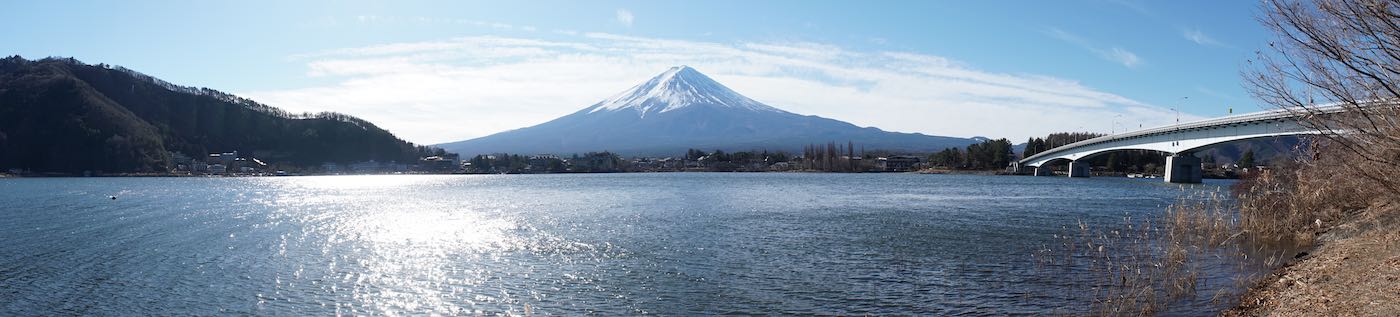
x: 1354, y: 270
x: 1317, y: 235
x: 1332, y: 64
x: 1343, y: 209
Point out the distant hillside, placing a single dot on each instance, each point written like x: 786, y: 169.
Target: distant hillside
x: 682, y: 109
x: 1265, y: 150
x: 61, y: 115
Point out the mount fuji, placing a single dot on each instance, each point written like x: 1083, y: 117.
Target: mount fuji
x: 682, y: 109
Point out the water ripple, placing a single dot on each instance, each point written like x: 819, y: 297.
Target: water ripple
x: 628, y: 244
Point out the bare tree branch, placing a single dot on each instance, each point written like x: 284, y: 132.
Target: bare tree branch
x: 1342, y: 52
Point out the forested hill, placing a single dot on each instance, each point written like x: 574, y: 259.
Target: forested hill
x: 61, y: 115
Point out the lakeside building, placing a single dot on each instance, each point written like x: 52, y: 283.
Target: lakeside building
x: 664, y: 164
x: 898, y: 163
x: 696, y: 163
x: 543, y: 162
x: 448, y: 163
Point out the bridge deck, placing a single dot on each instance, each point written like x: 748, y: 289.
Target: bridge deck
x: 1263, y: 117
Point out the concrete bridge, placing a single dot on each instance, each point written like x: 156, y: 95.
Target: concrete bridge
x: 1179, y: 141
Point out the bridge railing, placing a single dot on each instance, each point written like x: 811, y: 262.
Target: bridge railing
x: 1277, y: 115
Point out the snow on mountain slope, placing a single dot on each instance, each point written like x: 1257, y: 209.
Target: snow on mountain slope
x: 677, y: 88
x: 681, y: 109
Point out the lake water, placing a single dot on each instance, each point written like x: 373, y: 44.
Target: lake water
x: 611, y: 244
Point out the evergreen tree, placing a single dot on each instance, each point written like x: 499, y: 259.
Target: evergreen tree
x: 1246, y: 160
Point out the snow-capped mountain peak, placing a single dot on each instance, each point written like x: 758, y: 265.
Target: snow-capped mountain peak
x: 683, y: 109
x: 677, y: 88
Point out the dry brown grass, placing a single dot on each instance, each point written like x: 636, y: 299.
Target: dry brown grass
x: 1142, y: 266
x: 1337, y: 205
x: 1338, y: 53
x: 1293, y: 201
x: 1356, y: 273
x: 1342, y: 195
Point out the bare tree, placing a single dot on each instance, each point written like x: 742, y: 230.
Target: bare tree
x: 1338, y: 52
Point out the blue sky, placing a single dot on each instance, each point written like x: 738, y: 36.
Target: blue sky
x: 443, y: 71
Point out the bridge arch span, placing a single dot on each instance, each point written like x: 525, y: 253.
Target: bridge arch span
x: 1167, y: 145
x: 1094, y: 154
x: 1176, y: 140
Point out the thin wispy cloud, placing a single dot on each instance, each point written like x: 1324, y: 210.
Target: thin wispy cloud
x: 421, y: 20
x: 625, y: 17
x: 1112, y: 53
x: 1122, y: 56
x: 449, y: 90
x: 1199, y: 37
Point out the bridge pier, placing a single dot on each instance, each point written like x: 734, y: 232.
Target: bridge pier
x: 1018, y: 169
x: 1078, y: 169
x: 1183, y: 169
x: 1042, y: 170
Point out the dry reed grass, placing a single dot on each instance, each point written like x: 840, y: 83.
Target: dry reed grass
x: 1141, y: 266
x: 1326, y: 53
x: 1295, y: 200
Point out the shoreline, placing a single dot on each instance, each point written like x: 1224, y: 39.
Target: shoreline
x: 61, y: 175
x: 1353, y: 269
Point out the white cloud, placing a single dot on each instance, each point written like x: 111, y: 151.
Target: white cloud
x: 624, y: 17
x: 1199, y: 37
x: 1122, y: 56
x: 449, y: 90
x: 1113, y: 54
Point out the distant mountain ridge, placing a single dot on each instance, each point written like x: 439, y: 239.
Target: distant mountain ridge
x: 61, y: 115
x: 681, y: 109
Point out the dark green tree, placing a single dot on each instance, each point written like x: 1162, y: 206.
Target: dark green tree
x: 1246, y: 160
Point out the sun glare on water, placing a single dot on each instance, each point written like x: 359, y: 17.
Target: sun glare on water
x: 413, y: 252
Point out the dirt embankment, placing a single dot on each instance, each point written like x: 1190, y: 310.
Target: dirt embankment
x: 1353, y: 271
